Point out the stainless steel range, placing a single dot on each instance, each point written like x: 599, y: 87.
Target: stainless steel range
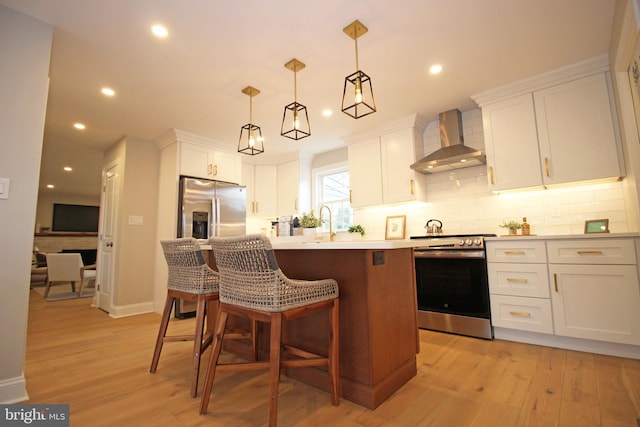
x: 452, y: 284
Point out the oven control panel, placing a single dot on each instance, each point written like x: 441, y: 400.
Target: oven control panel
x: 449, y: 242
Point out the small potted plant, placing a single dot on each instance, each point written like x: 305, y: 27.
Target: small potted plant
x: 513, y: 226
x: 357, y: 229
x: 309, y: 222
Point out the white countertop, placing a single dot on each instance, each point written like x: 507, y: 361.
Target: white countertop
x: 566, y: 236
x: 354, y: 244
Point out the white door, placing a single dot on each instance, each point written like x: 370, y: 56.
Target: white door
x: 111, y: 177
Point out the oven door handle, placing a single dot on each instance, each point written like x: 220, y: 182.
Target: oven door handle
x: 449, y: 254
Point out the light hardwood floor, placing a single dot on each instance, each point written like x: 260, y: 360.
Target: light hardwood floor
x: 100, y: 366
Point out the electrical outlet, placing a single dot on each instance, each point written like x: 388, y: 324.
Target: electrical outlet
x: 4, y: 188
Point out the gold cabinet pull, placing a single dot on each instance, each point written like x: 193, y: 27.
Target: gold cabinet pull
x: 412, y: 187
x: 215, y: 170
x: 253, y: 207
x: 589, y: 252
x: 555, y: 281
x: 514, y: 252
x: 517, y: 280
x: 350, y: 196
x: 546, y: 166
x: 491, y: 175
x: 520, y: 313
x: 295, y: 205
x: 210, y: 169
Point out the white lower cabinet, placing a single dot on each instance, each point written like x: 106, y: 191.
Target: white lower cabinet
x: 579, y: 288
x: 519, y: 285
x: 595, y: 292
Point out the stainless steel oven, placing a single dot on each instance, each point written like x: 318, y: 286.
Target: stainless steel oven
x: 452, y: 285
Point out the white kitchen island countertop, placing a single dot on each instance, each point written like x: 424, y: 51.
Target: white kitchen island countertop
x: 282, y: 244
x: 565, y: 236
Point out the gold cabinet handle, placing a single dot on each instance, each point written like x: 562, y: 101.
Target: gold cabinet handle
x: 546, y: 166
x: 589, y: 252
x: 210, y: 169
x: 350, y: 196
x: 215, y: 170
x: 412, y: 187
x: 517, y: 280
x: 253, y: 207
x: 491, y: 175
x: 555, y: 281
x: 514, y: 252
x: 520, y: 313
x: 295, y: 205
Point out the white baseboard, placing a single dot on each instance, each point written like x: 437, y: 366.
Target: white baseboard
x: 131, y: 310
x: 13, y: 390
x: 568, y: 343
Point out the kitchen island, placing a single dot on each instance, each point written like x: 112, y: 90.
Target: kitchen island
x: 378, y: 315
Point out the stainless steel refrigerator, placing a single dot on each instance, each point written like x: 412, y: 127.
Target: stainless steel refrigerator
x: 209, y: 209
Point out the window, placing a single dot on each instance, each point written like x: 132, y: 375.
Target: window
x: 332, y: 189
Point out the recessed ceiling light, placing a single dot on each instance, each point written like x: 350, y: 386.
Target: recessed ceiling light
x: 68, y: 168
x: 327, y: 112
x: 160, y: 31
x: 79, y: 126
x: 435, y: 69
x: 50, y: 186
x: 108, y: 91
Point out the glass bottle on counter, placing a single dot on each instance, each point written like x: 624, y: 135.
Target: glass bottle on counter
x: 526, y: 228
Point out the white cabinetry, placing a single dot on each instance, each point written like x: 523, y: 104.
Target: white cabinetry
x: 595, y: 291
x: 288, y: 188
x: 519, y: 286
x: 261, y: 183
x: 203, y: 162
x: 379, y: 169
x: 557, y: 132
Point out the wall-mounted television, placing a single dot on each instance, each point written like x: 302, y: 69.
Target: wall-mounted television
x: 75, y: 218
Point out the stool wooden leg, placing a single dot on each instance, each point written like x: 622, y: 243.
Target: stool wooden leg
x: 334, y: 353
x: 218, y: 336
x: 164, y: 323
x: 197, y: 343
x: 274, y: 369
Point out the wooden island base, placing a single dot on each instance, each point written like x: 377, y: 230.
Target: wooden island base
x: 378, y: 320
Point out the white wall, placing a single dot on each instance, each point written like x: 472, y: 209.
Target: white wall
x: 462, y: 200
x: 25, y: 50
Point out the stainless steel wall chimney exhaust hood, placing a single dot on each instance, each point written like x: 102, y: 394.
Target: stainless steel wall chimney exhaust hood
x: 453, y: 154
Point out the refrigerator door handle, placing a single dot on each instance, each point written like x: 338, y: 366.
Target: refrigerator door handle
x: 216, y: 216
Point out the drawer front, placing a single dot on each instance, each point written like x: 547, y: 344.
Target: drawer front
x: 525, y: 314
x: 520, y: 251
x: 596, y: 251
x: 525, y: 280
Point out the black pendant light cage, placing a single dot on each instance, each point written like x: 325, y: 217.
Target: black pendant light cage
x: 357, y: 97
x: 296, y: 119
x: 251, y: 141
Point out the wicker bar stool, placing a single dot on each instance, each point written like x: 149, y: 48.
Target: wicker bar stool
x: 252, y: 285
x: 190, y: 279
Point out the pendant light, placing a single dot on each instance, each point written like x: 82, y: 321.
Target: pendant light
x: 251, y: 140
x: 295, y: 121
x: 357, y: 98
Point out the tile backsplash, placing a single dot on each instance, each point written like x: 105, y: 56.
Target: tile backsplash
x: 461, y: 199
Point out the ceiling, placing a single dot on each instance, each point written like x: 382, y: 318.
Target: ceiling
x: 192, y: 80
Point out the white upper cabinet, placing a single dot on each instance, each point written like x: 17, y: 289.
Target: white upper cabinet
x: 511, y: 141
x: 553, y: 129
x: 576, y: 131
x: 365, y: 173
x: 379, y: 169
x: 203, y: 162
x: 288, y: 188
x: 262, y: 190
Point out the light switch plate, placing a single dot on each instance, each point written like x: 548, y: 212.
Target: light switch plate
x: 135, y: 220
x: 4, y: 188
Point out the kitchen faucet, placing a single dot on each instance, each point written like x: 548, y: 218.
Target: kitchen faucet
x: 331, y: 233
